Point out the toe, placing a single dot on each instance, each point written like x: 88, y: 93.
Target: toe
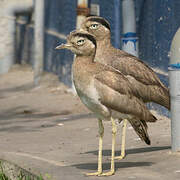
x: 119, y: 157
x: 110, y: 173
x: 94, y: 174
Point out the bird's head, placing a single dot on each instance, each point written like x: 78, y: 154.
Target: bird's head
x: 97, y: 26
x: 80, y: 42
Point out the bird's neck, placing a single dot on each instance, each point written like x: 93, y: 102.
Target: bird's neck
x: 105, y: 43
x: 84, y: 59
x: 103, y: 46
x: 82, y: 71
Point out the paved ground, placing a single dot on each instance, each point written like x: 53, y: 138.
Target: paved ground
x: 47, y: 130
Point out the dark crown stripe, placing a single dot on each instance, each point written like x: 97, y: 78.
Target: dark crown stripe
x: 88, y: 36
x: 101, y: 21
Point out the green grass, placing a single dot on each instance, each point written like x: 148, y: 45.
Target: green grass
x: 3, y: 176
x: 27, y: 177
x: 21, y: 176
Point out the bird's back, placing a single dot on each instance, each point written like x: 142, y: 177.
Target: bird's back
x: 147, y: 85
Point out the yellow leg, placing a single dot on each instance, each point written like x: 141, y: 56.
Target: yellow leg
x: 123, y: 141
x: 114, y: 130
x: 101, y: 133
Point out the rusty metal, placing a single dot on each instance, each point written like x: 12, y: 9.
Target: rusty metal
x: 83, y: 11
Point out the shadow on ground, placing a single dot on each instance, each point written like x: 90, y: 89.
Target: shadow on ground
x: 132, y: 151
x: 121, y: 164
x: 106, y: 166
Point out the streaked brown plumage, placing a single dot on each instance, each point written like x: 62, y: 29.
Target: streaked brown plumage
x: 105, y: 91
x: 146, y: 84
x: 140, y: 128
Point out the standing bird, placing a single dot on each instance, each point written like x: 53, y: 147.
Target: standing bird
x: 104, y: 90
x: 146, y: 85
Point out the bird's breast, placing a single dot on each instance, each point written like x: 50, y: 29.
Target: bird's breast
x: 87, y: 92
x: 91, y: 99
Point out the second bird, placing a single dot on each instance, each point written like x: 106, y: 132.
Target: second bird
x: 147, y: 85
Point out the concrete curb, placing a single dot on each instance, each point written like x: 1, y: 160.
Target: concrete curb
x: 14, y: 172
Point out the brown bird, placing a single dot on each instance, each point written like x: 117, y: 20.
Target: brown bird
x: 104, y: 90
x: 146, y: 85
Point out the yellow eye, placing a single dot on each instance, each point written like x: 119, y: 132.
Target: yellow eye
x: 94, y: 26
x: 80, y: 42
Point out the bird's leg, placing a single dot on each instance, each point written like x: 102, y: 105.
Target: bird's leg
x: 101, y: 134
x: 114, y: 130
x: 123, y: 141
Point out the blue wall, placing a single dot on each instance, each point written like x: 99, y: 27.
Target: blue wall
x: 60, y: 17
x: 157, y: 22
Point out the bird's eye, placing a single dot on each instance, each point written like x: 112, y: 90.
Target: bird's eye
x: 94, y: 26
x: 80, y: 42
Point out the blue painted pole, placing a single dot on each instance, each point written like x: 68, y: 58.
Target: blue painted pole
x: 129, y: 40
x: 174, y: 81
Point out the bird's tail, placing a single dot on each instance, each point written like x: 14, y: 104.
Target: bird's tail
x: 140, y: 128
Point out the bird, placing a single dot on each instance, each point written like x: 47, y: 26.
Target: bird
x: 146, y: 84
x: 103, y: 90
x: 145, y: 81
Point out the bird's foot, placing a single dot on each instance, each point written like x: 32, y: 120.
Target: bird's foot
x: 98, y: 173
x: 119, y: 157
x: 109, y: 173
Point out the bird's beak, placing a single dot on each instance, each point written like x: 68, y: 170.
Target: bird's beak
x: 63, y: 46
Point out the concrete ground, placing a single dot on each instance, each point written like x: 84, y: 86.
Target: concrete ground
x: 47, y: 130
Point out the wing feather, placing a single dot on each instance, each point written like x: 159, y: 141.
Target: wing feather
x: 115, y: 80
x: 131, y: 65
x: 121, y: 100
